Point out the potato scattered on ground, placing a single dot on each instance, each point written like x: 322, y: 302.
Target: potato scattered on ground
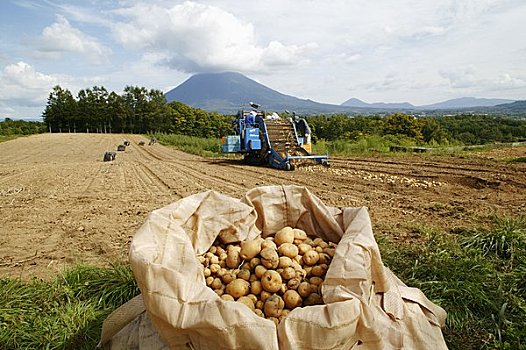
x: 271, y: 276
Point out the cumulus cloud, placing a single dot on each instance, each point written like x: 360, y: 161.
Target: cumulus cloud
x: 61, y: 37
x: 21, y: 83
x: 195, y: 37
x: 461, y: 77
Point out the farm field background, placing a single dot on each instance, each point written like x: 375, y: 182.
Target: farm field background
x: 60, y: 204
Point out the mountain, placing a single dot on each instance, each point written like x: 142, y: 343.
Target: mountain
x: 466, y: 102
x: 227, y: 92
x: 354, y: 102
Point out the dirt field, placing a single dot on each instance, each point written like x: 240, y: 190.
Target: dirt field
x: 61, y: 204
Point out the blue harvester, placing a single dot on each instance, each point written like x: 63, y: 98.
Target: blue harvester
x: 281, y: 143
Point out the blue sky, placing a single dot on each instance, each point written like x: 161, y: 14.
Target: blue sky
x: 417, y: 51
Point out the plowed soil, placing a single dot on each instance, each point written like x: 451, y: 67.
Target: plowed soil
x: 60, y: 204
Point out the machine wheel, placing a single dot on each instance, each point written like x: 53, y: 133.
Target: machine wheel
x: 289, y: 167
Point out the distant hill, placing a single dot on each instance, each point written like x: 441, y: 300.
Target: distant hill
x: 466, y: 102
x: 227, y: 92
x: 354, y: 102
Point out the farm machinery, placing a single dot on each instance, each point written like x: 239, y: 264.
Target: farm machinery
x: 279, y: 142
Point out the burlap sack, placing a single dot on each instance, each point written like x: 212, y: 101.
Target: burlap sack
x: 366, y: 306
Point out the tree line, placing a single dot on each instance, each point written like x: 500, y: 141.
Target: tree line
x: 139, y: 110
x: 444, y: 130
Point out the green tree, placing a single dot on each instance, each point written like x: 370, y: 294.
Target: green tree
x: 60, y: 110
x: 402, y: 124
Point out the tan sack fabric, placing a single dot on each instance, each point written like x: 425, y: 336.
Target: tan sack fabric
x: 366, y: 306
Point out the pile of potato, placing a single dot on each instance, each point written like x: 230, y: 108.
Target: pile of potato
x: 272, y: 276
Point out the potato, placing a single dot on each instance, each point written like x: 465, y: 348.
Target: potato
x: 233, y: 259
x: 247, y: 301
x: 288, y: 273
x: 209, y: 281
x: 228, y: 277
x: 273, y: 306
x: 330, y: 251
x: 268, y: 243
x: 214, y: 268
x: 264, y: 295
x: 293, y: 283
x: 269, y: 258
x: 324, y: 259
x: 316, y: 281
x: 254, y: 262
x: 299, y: 235
x: 216, y: 283
x: 303, y: 248
x: 319, y: 270
x: 207, y: 272
x: 285, y: 235
x: 249, y: 249
x: 288, y: 249
x: 253, y: 298
x: 238, y: 288
x: 292, y: 299
x: 274, y: 319
x: 304, y: 289
x: 284, y: 261
x: 271, y: 276
x: 271, y: 281
x: 255, y: 287
x: 311, y: 257
x: 227, y: 297
x: 259, y: 271
x: 244, y: 274
x: 313, y: 299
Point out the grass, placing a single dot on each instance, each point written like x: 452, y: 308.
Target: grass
x: 4, y: 138
x: 476, y: 275
x: 519, y: 160
x: 66, y: 313
x: 205, y: 147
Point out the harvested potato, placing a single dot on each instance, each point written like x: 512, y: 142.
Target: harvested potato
x: 238, y: 288
x: 288, y: 249
x: 271, y: 281
x: 245, y: 300
x: 269, y: 258
x: 311, y: 257
x: 273, y: 306
x: 260, y: 270
x: 284, y: 261
x: 249, y: 249
x: 292, y: 299
x: 271, y: 276
x: 233, y: 259
x: 285, y: 235
x: 299, y: 235
x: 227, y: 297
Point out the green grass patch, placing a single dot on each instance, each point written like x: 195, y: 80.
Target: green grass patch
x: 205, y: 147
x: 66, y: 313
x: 4, y: 138
x: 518, y: 160
x: 476, y: 275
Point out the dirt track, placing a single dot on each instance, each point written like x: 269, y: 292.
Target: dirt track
x: 60, y: 203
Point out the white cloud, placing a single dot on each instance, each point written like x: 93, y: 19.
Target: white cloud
x: 21, y: 83
x: 196, y: 37
x: 61, y: 37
